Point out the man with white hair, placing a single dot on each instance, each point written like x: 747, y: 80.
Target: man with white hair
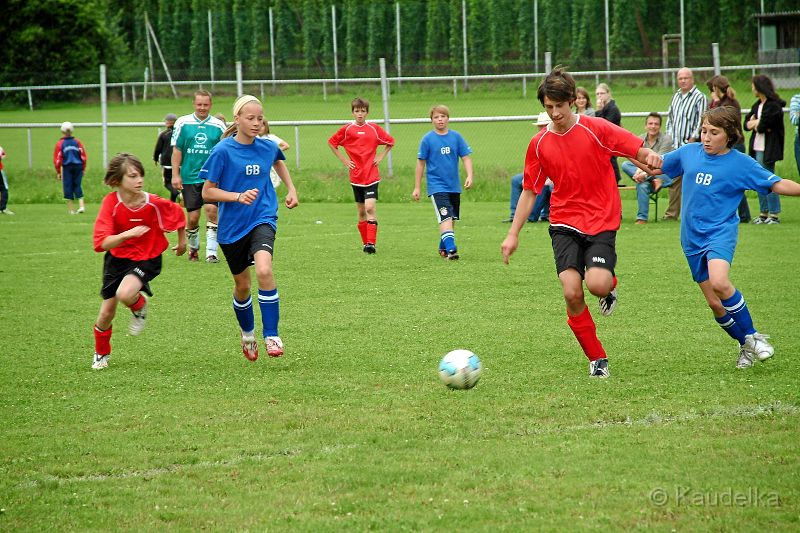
x: 684, y: 120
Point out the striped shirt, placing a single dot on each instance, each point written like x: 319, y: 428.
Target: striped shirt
x: 684, y: 116
x: 794, y: 112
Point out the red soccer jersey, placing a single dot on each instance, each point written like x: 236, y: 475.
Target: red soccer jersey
x: 585, y: 196
x: 360, y: 143
x: 158, y: 214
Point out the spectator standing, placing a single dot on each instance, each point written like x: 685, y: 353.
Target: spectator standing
x: 765, y: 120
x: 684, y: 119
x: 162, y: 154
x: 192, y: 140
x: 607, y: 109
x: 722, y: 94
x: 69, y: 158
x: 3, y: 186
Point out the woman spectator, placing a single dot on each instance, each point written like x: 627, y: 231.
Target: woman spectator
x: 607, y: 109
x: 722, y: 94
x: 765, y: 120
x: 583, y: 102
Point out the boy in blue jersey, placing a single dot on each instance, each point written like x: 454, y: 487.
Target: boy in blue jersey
x: 440, y: 150
x: 237, y: 176
x: 715, y: 177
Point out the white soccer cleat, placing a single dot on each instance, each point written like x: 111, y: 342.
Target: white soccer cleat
x: 757, y: 345
x: 249, y: 347
x: 745, y: 359
x: 274, y: 346
x: 599, y: 368
x: 100, y: 362
x: 608, y: 303
x: 138, y: 320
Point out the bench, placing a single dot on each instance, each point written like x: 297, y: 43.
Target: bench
x: 653, y: 197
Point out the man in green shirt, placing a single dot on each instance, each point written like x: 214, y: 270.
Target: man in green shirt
x: 192, y: 140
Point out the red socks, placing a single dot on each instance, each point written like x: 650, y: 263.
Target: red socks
x: 372, y: 232
x: 584, y: 329
x: 102, y: 341
x: 362, y: 229
x: 138, y: 304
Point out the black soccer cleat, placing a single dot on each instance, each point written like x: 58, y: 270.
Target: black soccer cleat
x: 599, y: 368
x: 369, y: 248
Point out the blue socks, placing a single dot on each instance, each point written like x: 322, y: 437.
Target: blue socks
x: 737, y: 322
x: 448, y: 241
x: 244, y: 314
x: 269, y: 302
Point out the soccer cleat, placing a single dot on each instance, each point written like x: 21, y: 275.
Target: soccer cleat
x: 759, y: 220
x: 274, y: 346
x: 100, y: 362
x: 249, y: 347
x: 71, y: 211
x: 443, y: 253
x: 369, y: 248
x: 81, y: 210
x: 452, y: 256
x: 772, y: 220
x: 608, y: 303
x: 138, y: 320
x: 212, y: 259
x: 745, y: 359
x: 7, y: 212
x: 757, y: 345
x: 193, y: 255
x: 599, y: 368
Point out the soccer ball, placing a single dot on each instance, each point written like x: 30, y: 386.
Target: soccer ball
x: 460, y: 369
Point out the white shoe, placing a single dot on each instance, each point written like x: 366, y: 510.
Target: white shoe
x: 81, y: 210
x: 608, y: 303
x: 71, y: 212
x: 7, y: 212
x: 274, y: 346
x: 757, y: 345
x: 599, y: 368
x: 745, y: 359
x: 249, y: 347
x: 138, y: 319
x: 100, y: 362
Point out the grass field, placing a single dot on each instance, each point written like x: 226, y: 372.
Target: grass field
x: 499, y: 147
x: 352, y: 431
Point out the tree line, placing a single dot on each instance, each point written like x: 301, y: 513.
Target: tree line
x: 62, y: 41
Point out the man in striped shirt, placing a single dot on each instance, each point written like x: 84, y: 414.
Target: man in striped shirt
x: 684, y: 119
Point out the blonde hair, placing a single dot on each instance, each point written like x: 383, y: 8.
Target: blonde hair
x: 237, y: 109
x: 605, y: 87
x: 440, y: 108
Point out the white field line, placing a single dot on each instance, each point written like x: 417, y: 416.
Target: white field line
x: 652, y: 419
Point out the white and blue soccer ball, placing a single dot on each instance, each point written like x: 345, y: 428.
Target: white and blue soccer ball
x: 460, y: 369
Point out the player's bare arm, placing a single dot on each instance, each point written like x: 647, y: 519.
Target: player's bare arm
x: 112, y: 241
x: 380, y: 156
x: 524, y: 208
x: 291, y: 200
x: 418, y: 172
x: 348, y: 164
x: 787, y: 188
x: 177, y: 159
x: 212, y: 193
x: 180, y: 248
x: 468, y: 167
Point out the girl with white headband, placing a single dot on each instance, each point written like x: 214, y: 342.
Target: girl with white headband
x: 236, y: 175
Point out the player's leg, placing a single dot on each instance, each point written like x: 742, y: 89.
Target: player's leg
x: 211, y: 232
x: 263, y: 243
x: 67, y: 186
x: 193, y: 201
x: 102, y: 333
x: 445, y: 216
x: 370, y: 207
x: 238, y: 258
x: 600, y: 258
x: 79, y: 191
x: 568, y: 249
x: 130, y: 294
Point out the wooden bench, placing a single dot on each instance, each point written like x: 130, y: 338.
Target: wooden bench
x: 653, y: 197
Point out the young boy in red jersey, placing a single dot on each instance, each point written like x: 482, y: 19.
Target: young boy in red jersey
x: 361, y: 140
x: 130, y: 228
x: 585, y: 208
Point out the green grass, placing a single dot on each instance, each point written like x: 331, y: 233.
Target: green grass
x: 499, y: 148
x: 352, y: 430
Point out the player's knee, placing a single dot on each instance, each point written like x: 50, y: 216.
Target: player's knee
x: 721, y: 286
x: 264, y: 275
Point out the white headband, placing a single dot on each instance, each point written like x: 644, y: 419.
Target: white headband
x: 242, y: 101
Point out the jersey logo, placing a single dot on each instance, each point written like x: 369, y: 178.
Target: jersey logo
x: 703, y: 178
x: 445, y: 150
x: 361, y: 133
x: 200, y: 137
x: 138, y: 271
x: 252, y: 170
x: 599, y: 260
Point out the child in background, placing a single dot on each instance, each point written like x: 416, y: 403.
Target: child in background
x: 69, y: 158
x: 236, y: 176
x: 715, y: 177
x: 3, y: 186
x: 360, y: 140
x: 162, y: 154
x: 440, y: 150
x: 130, y: 228
x: 264, y: 133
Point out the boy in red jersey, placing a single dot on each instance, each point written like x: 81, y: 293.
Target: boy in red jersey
x: 361, y: 140
x: 585, y: 210
x: 130, y: 228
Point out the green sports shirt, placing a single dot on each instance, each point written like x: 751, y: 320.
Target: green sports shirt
x: 195, y: 138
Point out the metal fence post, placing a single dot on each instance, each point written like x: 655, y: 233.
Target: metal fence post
x: 104, y: 112
x: 385, y: 97
x: 239, y: 85
x: 297, y: 147
x: 30, y: 150
x: 30, y: 100
x: 715, y: 56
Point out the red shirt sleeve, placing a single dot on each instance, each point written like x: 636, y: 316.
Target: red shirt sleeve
x: 58, y: 157
x: 383, y: 137
x: 337, y: 138
x: 617, y: 139
x: 533, y: 177
x: 104, y: 223
x: 170, y: 214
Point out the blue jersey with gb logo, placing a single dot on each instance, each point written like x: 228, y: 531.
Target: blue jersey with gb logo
x: 238, y: 167
x: 712, y: 189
